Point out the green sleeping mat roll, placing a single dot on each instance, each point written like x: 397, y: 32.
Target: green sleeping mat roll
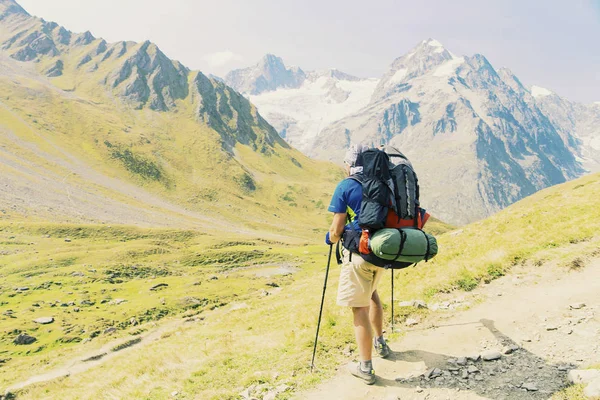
x: 404, y: 244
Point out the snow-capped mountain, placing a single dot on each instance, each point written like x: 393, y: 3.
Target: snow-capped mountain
x: 477, y: 136
x: 270, y: 73
x: 300, y: 105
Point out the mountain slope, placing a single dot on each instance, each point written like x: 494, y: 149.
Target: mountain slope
x: 125, y: 113
x: 475, y: 135
x: 578, y: 124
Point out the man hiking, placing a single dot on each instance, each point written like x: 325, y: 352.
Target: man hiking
x: 358, y: 278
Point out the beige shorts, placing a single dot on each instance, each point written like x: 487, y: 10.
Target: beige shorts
x: 358, y: 281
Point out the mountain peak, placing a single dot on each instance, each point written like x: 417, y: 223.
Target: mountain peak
x: 268, y: 74
x: 8, y: 7
x: 271, y: 59
x: 430, y: 51
x: 428, y: 46
x: 432, y: 42
x: 271, y: 63
x: 425, y: 57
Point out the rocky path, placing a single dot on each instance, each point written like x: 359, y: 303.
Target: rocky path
x: 535, y: 325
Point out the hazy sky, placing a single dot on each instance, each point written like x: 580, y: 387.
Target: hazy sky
x: 549, y: 43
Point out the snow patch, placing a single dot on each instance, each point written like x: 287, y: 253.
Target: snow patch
x: 434, y: 43
x: 595, y: 143
x: 538, y: 91
x: 597, y: 103
x: 449, y: 67
x: 312, y: 107
x: 398, y: 76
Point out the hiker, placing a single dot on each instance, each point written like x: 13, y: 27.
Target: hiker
x: 358, y: 278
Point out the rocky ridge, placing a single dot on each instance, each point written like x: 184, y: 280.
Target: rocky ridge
x: 139, y: 74
x: 577, y: 124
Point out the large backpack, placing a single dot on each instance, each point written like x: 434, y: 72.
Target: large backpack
x: 406, y: 211
x: 390, y: 200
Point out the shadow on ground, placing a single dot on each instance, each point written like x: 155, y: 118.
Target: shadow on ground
x: 519, y: 375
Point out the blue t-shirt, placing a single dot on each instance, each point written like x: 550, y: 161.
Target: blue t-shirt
x: 346, y: 199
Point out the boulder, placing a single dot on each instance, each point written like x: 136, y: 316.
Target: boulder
x: 419, y: 304
x: 433, y: 373
x: 510, y: 349
x: 44, y: 320
x: 491, y: 355
x: 583, y: 375
x: 24, y: 339
x: 530, y: 387
x: 472, y: 369
x: 592, y: 390
x: 413, y: 303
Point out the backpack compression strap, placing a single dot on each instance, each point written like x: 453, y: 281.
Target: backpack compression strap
x: 402, y: 243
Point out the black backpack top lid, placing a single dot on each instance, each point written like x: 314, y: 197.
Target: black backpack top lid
x: 375, y: 163
x: 396, y: 156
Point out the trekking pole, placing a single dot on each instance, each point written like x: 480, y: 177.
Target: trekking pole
x: 392, y: 300
x: 312, y: 364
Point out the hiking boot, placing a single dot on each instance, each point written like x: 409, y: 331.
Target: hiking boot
x: 382, y: 349
x: 366, y: 377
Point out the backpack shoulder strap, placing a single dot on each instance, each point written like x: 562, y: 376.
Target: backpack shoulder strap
x: 357, y: 177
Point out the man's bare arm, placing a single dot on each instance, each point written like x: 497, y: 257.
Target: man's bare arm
x: 337, y: 227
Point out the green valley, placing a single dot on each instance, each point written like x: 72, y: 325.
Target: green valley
x: 160, y: 240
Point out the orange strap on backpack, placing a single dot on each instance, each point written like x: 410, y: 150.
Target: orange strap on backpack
x: 392, y: 221
x: 363, y: 244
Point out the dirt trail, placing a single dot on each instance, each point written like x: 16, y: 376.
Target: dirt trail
x: 530, y: 308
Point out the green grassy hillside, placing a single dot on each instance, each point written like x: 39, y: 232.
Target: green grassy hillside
x: 237, y: 311
x: 170, y: 155
x: 559, y: 224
